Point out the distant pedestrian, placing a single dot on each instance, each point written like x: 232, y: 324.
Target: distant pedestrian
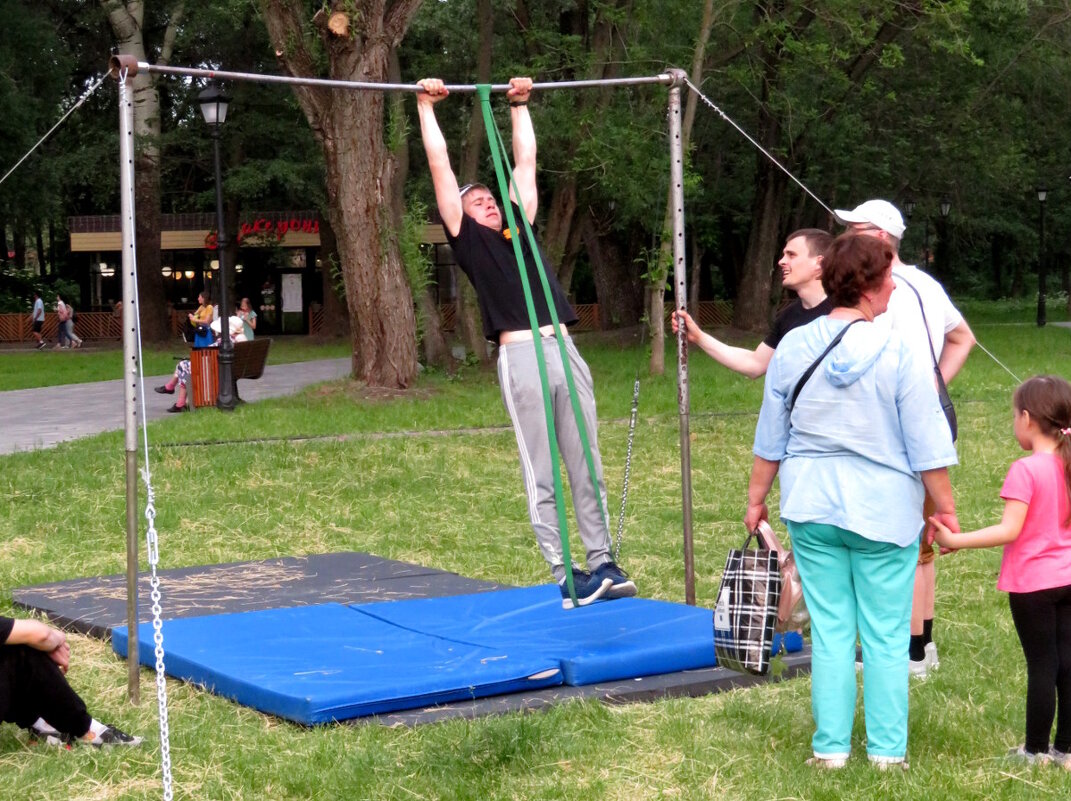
x: 62, y: 340
x: 249, y: 317
x: 37, y: 319
x: 76, y: 341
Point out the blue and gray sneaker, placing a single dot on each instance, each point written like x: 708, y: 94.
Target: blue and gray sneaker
x: 588, y: 588
x: 621, y: 585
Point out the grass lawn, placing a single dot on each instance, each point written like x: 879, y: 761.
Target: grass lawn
x: 26, y: 368
x: 431, y: 476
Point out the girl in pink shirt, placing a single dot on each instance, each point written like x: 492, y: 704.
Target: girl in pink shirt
x: 1035, y: 531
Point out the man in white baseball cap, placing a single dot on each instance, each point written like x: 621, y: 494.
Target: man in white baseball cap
x: 880, y: 214
x: 927, y: 308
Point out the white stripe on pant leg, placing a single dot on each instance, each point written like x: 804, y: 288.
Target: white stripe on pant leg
x: 527, y: 473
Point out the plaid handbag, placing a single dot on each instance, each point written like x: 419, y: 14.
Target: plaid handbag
x: 746, y: 611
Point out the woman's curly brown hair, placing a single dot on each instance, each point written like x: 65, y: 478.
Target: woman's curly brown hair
x: 854, y: 264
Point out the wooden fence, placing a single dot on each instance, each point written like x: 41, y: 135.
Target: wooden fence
x: 105, y: 325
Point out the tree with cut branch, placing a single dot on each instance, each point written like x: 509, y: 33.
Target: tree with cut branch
x: 361, y: 139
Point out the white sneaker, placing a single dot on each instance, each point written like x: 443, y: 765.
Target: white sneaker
x: 931, y: 656
x: 920, y: 669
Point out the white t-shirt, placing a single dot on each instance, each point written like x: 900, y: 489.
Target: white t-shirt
x: 906, y: 317
x: 237, y: 328
x: 38, y: 310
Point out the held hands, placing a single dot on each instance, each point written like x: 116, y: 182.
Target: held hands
x: 941, y: 526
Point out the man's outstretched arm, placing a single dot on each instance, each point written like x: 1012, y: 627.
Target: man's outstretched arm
x: 523, y: 190
x: 751, y: 363
x: 442, y: 174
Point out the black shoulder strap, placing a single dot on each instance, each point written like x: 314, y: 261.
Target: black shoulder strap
x: 925, y: 325
x: 807, y: 373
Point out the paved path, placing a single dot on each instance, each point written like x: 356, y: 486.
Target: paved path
x: 40, y: 418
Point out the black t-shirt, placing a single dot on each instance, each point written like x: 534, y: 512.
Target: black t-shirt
x: 486, y: 256
x: 794, y: 316
x: 6, y: 624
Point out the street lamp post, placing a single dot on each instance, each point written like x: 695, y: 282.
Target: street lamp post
x: 214, y: 109
x: 909, y: 210
x: 1043, y: 193
x: 945, y: 206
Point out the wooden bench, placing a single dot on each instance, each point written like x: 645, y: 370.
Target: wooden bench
x: 249, y: 360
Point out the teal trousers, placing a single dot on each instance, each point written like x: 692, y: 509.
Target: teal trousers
x: 856, y: 587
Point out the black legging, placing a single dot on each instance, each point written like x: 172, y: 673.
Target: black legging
x: 32, y: 686
x: 1043, y: 621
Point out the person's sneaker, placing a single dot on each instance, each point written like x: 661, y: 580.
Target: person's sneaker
x: 113, y: 736
x: 1020, y: 754
x: 918, y: 669
x: 933, y: 662
x: 588, y: 588
x: 621, y: 586
x: 826, y: 763
x: 1061, y: 758
x: 41, y: 344
x: 176, y: 408
x: 164, y: 390
x: 889, y: 763
x: 41, y: 729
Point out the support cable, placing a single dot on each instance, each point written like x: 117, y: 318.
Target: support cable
x: 761, y: 149
x: 85, y: 96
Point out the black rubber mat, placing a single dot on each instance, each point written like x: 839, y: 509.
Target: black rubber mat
x: 94, y: 605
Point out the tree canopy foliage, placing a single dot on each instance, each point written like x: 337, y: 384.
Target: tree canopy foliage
x: 906, y: 100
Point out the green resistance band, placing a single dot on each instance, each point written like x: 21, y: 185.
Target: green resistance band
x: 502, y: 170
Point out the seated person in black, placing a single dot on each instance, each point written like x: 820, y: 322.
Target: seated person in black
x: 34, y: 693
x: 483, y: 246
x: 801, y: 271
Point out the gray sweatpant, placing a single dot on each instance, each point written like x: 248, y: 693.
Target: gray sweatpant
x: 518, y: 377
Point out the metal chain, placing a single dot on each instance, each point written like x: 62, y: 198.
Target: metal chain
x: 153, y: 547
x: 152, y: 540
x: 618, y: 537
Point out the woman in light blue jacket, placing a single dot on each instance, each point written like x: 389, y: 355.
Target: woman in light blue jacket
x: 854, y: 442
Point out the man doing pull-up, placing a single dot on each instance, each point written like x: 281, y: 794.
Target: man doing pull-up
x: 482, y: 243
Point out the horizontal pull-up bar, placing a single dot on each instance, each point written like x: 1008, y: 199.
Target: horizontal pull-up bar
x: 117, y: 64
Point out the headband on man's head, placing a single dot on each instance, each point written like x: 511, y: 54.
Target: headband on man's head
x: 461, y: 192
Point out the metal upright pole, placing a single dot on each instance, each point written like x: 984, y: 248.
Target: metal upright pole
x: 1042, y: 265
x: 130, y: 373
x: 680, y: 294
x: 225, y: 399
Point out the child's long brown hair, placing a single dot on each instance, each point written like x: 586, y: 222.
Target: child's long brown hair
x: 1048, y: 400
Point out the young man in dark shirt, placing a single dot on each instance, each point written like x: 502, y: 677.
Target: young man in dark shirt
x: 483, y: 246
x: 801, y: 271
x: 34, y: 693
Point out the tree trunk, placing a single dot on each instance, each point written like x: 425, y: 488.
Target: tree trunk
x: 360, y: 172
x: 660, y: 270
x: 336, y: 321
x: 619, y: 288
x: 39, y: 237
x: 19, y: 237
x: 126, y: 18
x: 751, y: 312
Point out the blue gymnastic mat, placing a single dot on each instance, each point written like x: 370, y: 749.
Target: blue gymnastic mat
x: 605, y: 641
x: 315, y: 664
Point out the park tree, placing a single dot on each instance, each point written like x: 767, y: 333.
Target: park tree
x: 354, y: 41
x: 128, y: 22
